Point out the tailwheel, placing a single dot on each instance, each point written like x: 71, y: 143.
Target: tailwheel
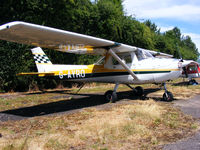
x: 139, y: 91
x: 168, y: 96
x: 110, y: 96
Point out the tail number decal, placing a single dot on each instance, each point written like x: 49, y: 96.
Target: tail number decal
x: 72, y: 74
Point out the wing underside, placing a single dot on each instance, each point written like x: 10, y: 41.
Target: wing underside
x: 47, y: 37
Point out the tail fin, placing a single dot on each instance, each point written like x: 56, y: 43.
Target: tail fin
x: 41, y: 60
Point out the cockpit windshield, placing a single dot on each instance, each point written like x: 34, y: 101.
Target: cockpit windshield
x: 142, y: 54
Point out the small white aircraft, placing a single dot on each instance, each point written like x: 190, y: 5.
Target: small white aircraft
x: 120, y: 63
x: 191, y: 71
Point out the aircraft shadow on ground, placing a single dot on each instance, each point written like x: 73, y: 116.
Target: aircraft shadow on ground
x: 77, y: 102
x: 43, y: 92
x: 180, y: 84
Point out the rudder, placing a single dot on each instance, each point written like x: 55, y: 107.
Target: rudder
x: 41, y: 59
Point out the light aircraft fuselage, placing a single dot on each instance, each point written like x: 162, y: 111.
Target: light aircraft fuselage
x: 148, y: 69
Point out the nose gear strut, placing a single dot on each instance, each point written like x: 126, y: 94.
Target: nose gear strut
x: 167, y: 96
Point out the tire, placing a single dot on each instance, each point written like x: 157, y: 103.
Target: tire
x: 139, y: 91
x: 193, y: 82
x: 110, y: 96
x: 168, y: 96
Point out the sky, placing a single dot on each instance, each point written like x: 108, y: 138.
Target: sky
x: 167, y: 14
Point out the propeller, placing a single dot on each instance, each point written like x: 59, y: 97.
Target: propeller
x: 179, y: 53
x: 185, y: 72
x: 184, y: 69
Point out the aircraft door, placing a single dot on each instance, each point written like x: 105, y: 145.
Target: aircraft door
x: 125, y: 57
x: 144, y: 65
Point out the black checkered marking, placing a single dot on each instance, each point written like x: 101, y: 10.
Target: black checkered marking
x: 41, y: 59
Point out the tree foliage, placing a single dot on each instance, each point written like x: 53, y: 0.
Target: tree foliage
x: 102, y: 18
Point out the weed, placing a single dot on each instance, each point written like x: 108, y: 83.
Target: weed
x: 157, y: 122
x: 195, y: 126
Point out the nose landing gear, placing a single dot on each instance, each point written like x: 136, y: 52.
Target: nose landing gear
x: 167, y: 96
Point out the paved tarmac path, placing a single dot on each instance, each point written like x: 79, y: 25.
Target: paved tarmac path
x: 190, y: 107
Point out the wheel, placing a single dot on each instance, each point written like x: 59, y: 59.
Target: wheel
x: 193, y: 82
x: 110, y: 96
x: 139, y: 91
x: 168, y: 96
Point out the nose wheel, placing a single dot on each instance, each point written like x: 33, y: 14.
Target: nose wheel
x: 167, y: 96
x: 192, y: 82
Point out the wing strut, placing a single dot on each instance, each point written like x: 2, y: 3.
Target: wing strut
x: 122, y: 63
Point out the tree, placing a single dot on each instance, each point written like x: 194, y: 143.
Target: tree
x: 102, y: 18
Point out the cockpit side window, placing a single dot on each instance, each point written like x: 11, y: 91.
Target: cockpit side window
x: 100, y: 61
x: 115, y: 62
x: 126, y: 58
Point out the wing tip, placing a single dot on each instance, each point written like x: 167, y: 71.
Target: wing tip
x: 10, y: 24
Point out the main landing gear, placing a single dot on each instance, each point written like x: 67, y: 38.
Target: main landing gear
x: 167, y: 96
x: 111, y: 96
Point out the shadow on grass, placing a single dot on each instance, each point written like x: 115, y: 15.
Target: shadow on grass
x: 180, y: 84
x: 78, y: 101
x: 43, y: 92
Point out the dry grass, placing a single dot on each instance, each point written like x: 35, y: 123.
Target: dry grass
x: 133, y: 125
x: 140, y: 124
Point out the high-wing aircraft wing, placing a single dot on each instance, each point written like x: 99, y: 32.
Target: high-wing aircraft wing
x: 47, y: 37
x: 42, y: 36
